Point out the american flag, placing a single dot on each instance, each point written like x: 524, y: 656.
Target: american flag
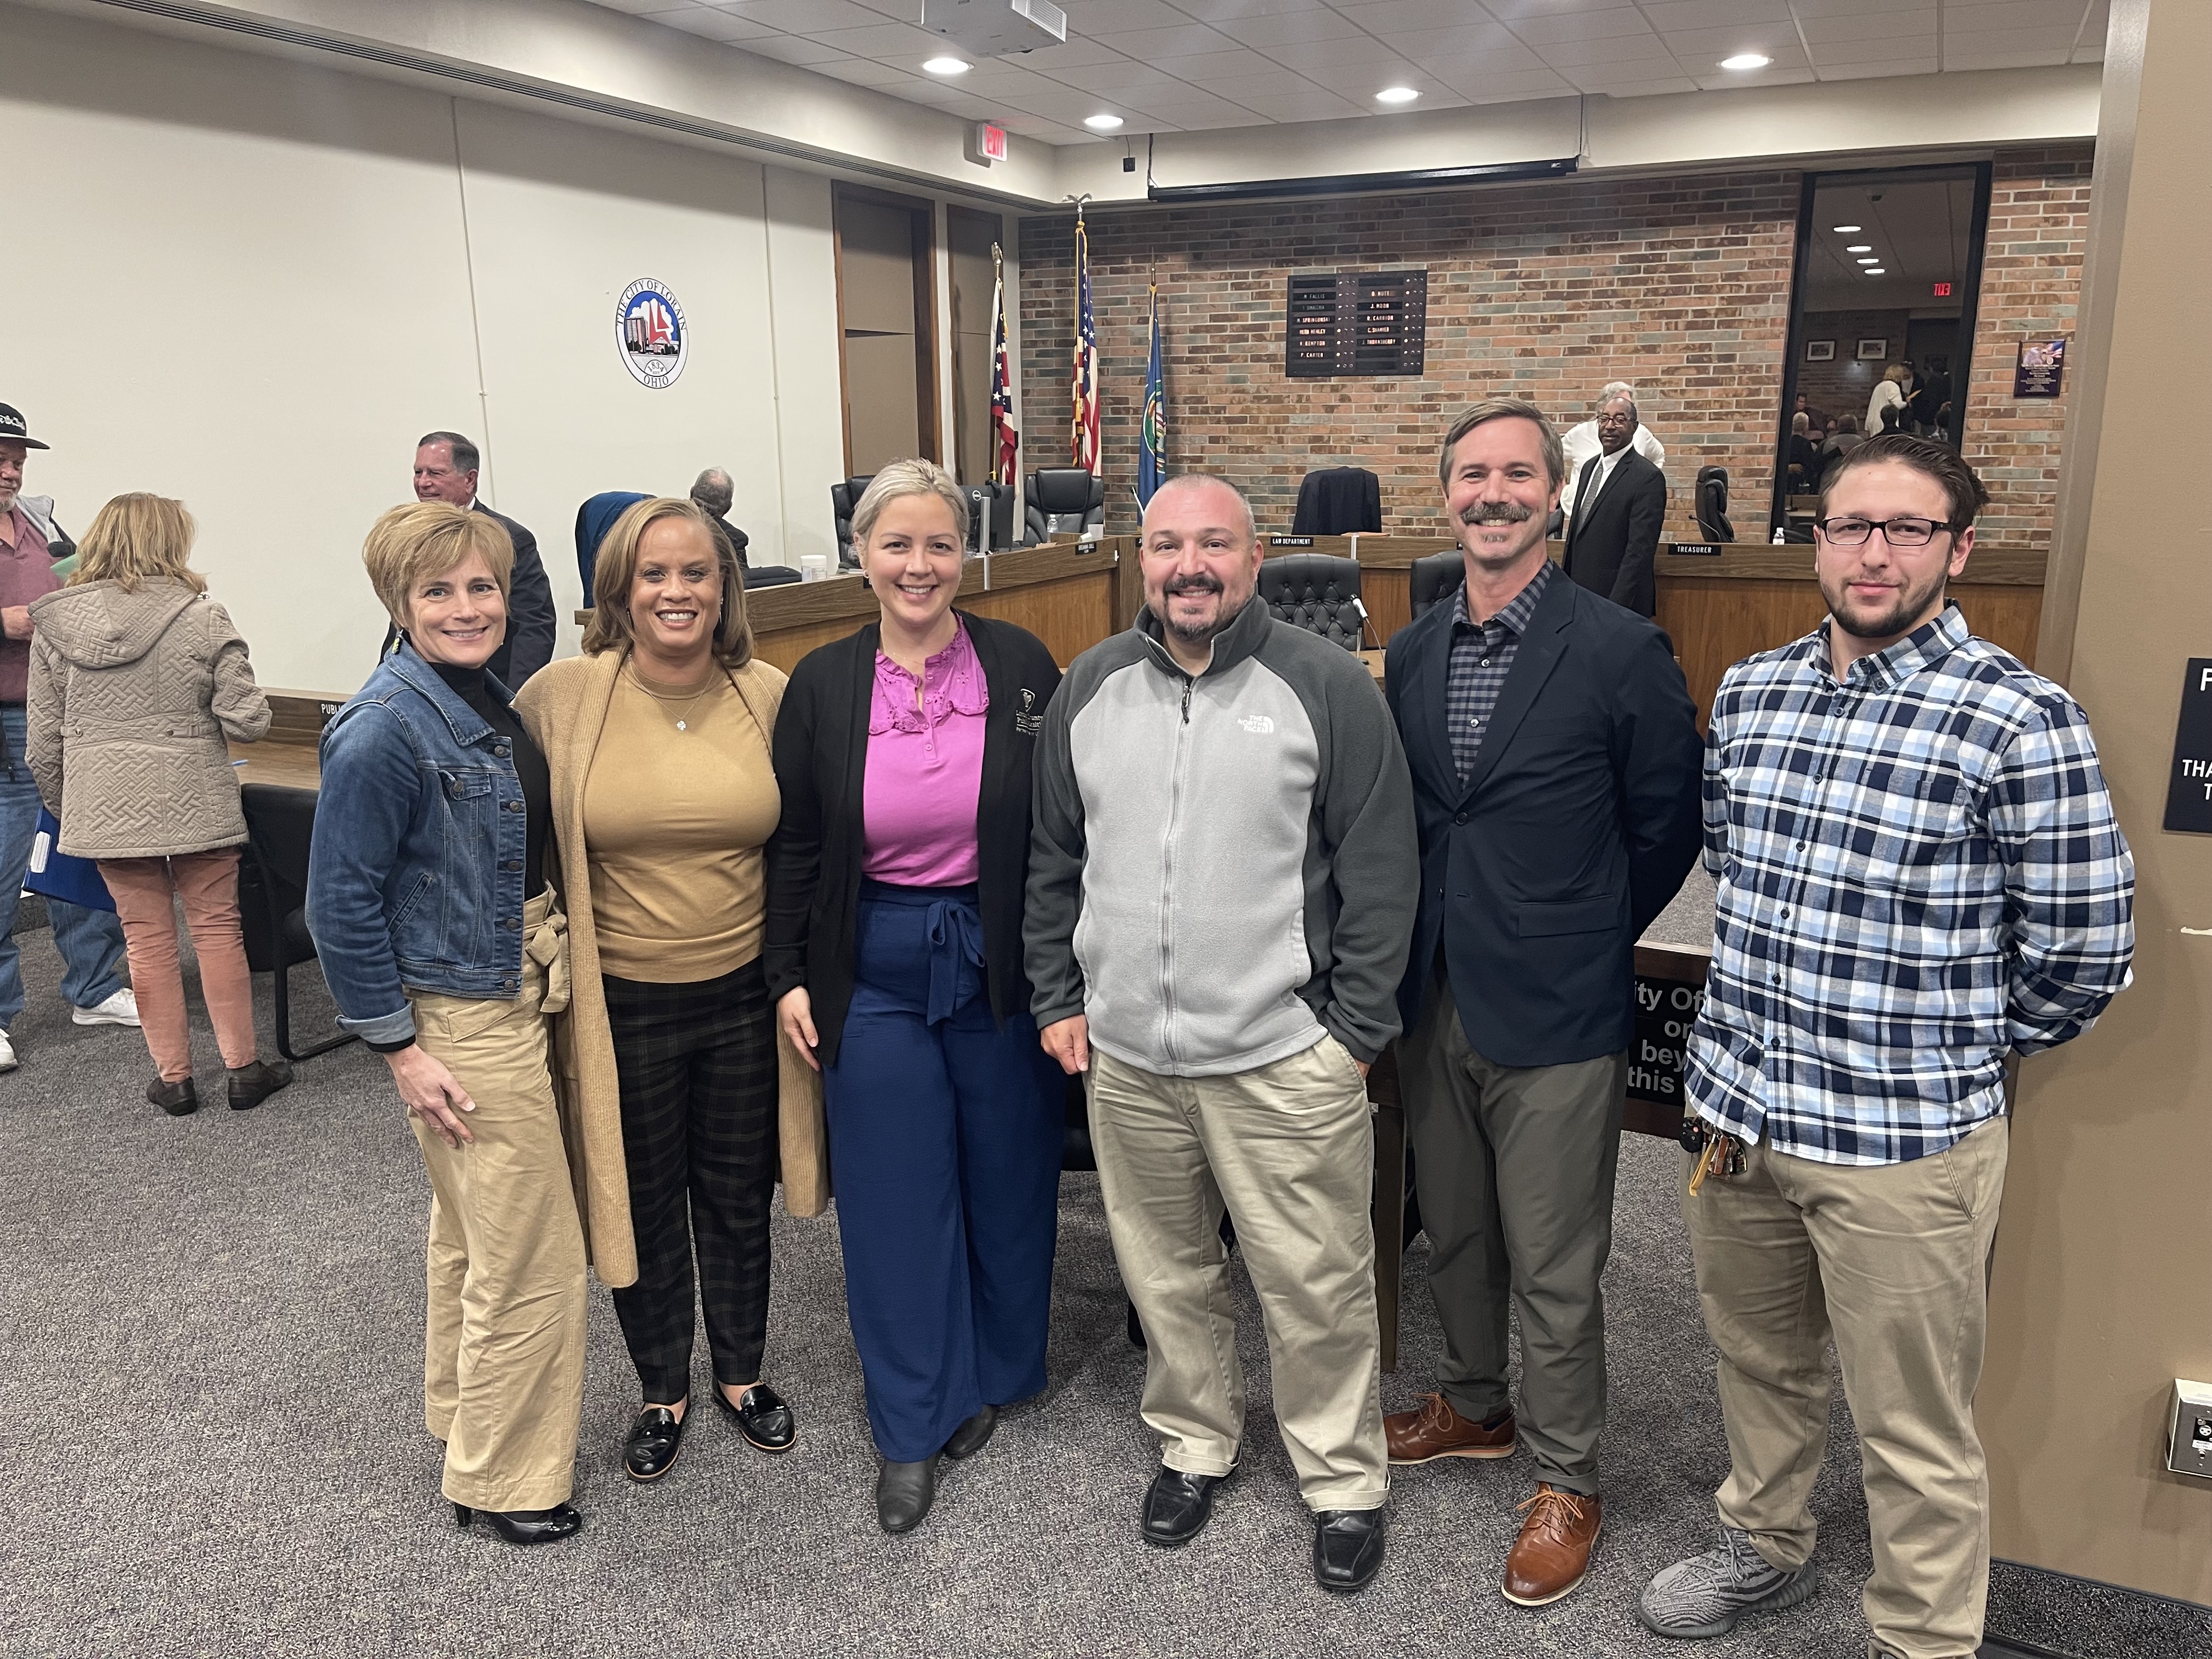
x: 1084, y: 450
x: 1005, y: 442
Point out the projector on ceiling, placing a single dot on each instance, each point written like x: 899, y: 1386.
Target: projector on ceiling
x: 991, y: 28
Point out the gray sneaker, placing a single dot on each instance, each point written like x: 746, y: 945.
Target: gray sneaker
x: 1705, y: 1594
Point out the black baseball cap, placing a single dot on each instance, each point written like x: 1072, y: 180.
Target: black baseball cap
x: 13, y: 428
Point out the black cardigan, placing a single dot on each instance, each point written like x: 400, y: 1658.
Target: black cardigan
x: 814, y: 858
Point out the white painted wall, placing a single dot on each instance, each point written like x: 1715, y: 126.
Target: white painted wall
x: 252, y: 284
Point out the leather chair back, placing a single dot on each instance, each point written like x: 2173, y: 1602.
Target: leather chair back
x: 1712, y: 505
x: 1434, y: 580
x: 843, y: 498
x: 1316, y: 592
x: 1064, y: 499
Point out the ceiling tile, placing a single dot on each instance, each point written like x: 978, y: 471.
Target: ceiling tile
x: 802, y: 16
x: 1361, y: 82
x: 1512, y: 85
x: 1462, y: 40
x: 1733, y: 81
x: 1543, y: 29
x: 1610, y: 49
x: 1092, y: 18
x: 1074, y: 53
x: 2016, y: 14
x: 711, y: 25
x: 1450, y: 64
x: 895, y: 42
x: 1314, y: 107
x: 1277, y: 83
x: 1772, y: 39
x: 1890, y: 66
x: 1152, y: 45
x: 1110, y: 79
x: 2011, y: 39
x: 1664, y: 15
x: 1215, y: 11
x: 1810, y: 9
x: 1645, y: 88
x: 1291, y: 28
x: 1888, y: 26
x: 1874, y: 51
x: 1387, y: 17
x: 795, y: 49
x: 1955, y: 57
x: 1334, y: 54
x: 862, y: 72
x: 2094, y: 54
x: 1511, y: 11
x: 638, y: 6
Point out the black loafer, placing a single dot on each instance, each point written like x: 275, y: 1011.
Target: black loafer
x: 249, y: 1085
x: 1347, y: 1549
x: 654, y: 1440
x: 1178, y: 1505
x: 904, y: 1492
x: 525, y: 1526
x: 177, y: 1099
x: 973, y: 1435
x: 763, y: 1418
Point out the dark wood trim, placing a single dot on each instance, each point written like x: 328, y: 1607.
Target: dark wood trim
x: 837, y: 271
x: 922, y: 222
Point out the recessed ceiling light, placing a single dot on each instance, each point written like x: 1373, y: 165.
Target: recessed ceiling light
x: 1875, y: 271
x: 1396, y: 96
x: 1101, y: 123
x: 1747, y: 60
x: 1869, y: 261
x: 1846, y: 230
x: 1860, y: 247
x: 947, y: 66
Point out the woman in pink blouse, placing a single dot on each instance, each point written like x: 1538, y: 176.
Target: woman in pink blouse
x: 894, y: 951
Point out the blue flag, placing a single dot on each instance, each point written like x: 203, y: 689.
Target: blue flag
x: 1153, y: 444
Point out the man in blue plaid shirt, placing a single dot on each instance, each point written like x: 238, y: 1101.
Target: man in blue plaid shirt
x: 1919, y: 875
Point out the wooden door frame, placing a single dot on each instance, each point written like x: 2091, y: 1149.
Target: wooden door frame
x: 923, y: 216
x: 953, y: 212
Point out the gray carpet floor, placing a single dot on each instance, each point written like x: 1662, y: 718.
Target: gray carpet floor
x: 212, y: 1438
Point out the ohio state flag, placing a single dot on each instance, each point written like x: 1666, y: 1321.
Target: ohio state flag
x: 1083, y: 450
x: 1005, y: 442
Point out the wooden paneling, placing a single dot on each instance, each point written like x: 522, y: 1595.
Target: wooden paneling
x: 294, y: 764
x: 1070, y: 616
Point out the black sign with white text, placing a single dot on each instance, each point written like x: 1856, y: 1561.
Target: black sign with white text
x: 1665, y: 1011
x: 2189, y: 793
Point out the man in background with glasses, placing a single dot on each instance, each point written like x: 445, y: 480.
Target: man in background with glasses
x: 1919, y: 875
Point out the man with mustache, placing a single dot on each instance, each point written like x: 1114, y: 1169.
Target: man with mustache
x: 1221, y: 881
x: 1920, y: 874
x: 1555, y: 755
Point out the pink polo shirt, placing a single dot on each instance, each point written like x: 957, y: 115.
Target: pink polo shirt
x: 27, y: 570
x: 924, y: 770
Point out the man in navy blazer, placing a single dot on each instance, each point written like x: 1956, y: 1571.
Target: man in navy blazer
x: 1555, y: 766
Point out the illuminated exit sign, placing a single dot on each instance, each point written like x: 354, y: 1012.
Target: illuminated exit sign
x: 991, y: 143
x: 1941, y: 290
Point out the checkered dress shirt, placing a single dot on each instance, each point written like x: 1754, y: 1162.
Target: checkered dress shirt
x: 1919, y: 871
x: 1480, y: 656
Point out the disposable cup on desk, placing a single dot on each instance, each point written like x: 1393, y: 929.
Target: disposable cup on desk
x: 813, y: 567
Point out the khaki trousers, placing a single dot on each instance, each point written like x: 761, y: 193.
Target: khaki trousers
x: 208, y: 883
x: 503, y: 1368
x: 1514, y: 1167
x: 1893, y: 1260
x: 1288, y: 1150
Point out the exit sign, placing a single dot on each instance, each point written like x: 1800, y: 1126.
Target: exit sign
x: 1941, y: 290
x: 991, y: 142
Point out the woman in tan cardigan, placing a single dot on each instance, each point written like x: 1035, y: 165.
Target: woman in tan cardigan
x: 138, y: 678
x: 664, y: 795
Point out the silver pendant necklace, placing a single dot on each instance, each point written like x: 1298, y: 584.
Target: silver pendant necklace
x: 683, y: 721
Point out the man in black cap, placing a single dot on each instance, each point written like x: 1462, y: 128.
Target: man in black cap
x: 446, y: 470
x: 90, y: 941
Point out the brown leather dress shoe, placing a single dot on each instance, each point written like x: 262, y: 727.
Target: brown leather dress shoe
x: 1434, y: 1429
x: 1551, y: 1555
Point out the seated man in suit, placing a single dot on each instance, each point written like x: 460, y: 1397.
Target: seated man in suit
x: 715, y: 491
x: 1555, y: 762
x: 446, y: 470
x: 1620, y: 500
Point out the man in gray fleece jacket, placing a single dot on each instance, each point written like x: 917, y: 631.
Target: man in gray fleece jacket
x: 1222, y: 887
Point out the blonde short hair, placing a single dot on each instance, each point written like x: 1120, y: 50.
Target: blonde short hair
x: 610, y: 628
x: 909, y: 477
x: 136, y: 538
x: 423, y: 539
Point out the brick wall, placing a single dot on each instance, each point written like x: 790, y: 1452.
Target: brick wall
x: 2031, y: 289
x: 1679, y: 286
x: 1844, y: 386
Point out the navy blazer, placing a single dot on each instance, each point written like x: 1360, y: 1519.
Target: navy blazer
x: 1580, y: 820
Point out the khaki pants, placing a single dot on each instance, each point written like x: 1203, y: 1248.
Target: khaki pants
x: 503, y: 1371
x: 1289, y: 1149
x: 1515, y: 1167
x: 144, y: 891
x: 1893, y: 1260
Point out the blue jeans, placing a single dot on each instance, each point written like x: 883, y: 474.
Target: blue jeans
x: 90, y: 941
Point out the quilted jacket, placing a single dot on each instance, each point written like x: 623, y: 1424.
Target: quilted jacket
x: 132, y: 699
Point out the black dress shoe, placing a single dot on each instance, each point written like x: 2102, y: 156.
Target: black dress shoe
x: 525, y: 1526
x: 763, y: 1418
x: 250, y: 1085
x: 1347, y: 1549
x: 654, y: 1440
x: 973, y: 1435
x: 177, y: 1099
x: 904, y: 1492
x: 1178, y: 1507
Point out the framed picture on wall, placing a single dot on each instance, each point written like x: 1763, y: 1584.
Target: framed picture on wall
x: 1820, y: 351
x: 1873, y: 349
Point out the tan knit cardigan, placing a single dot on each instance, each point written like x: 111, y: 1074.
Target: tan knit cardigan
x: 564, y: 707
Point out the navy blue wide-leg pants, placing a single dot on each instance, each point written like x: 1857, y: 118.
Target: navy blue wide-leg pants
x: 945, y: 1142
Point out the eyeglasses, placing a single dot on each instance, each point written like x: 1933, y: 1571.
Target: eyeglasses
x: 1898, y: 532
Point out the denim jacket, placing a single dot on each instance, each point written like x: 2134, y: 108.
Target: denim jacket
x: 415, y: 877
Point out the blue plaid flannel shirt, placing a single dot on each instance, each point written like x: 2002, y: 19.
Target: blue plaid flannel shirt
x: 1919, y: 871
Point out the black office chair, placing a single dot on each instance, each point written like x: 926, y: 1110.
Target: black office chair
x: 1064, y: 500
x: 770, y: 575
x: 1339, y: 500
x: 1318, y: 593
x: 1434, y: 580
x: 843, y: 498
x: 1712, y: 505
x: 272, y: 897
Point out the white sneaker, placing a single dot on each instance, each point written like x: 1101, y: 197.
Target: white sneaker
x: 8, y: 1061
x: 121, y: 1009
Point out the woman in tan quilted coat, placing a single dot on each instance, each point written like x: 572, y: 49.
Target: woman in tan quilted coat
x: 136, y: 679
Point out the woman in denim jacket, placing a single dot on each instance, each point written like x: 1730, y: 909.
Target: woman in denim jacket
x: 442, y: 943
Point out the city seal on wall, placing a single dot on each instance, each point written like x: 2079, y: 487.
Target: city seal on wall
x: 651, y: 333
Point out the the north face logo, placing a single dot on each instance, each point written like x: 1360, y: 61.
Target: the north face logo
x: 1258, y: 725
